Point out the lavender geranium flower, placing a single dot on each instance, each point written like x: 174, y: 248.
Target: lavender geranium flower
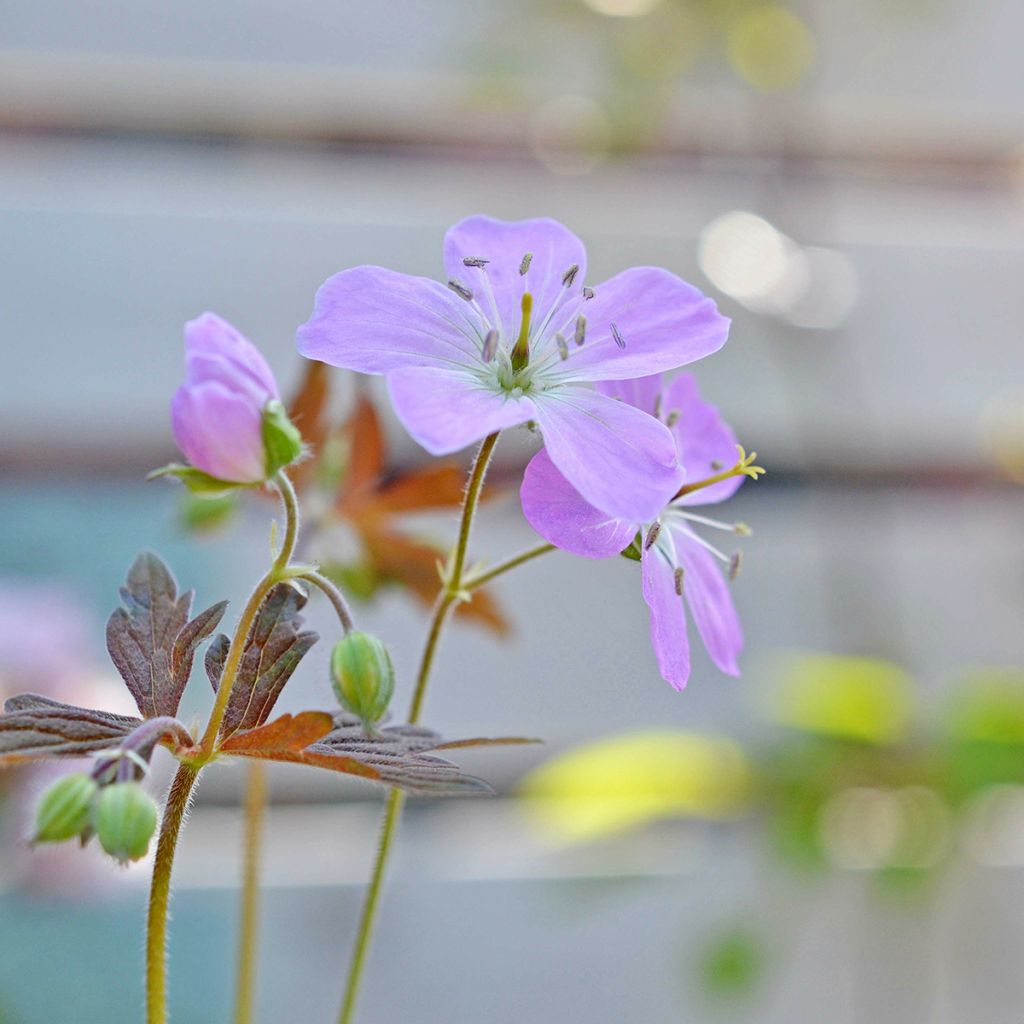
x: 514, y: 337
x: 676, y: 562
x: 227, y: 417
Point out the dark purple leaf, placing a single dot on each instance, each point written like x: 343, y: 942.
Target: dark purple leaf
x: 274, y: 648
x: 34, y: 727
x: 151, y: 641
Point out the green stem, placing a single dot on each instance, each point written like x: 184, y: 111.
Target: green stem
x: 451, y: 593
x: 160, y: 892
x: 503, y: 567
x: 274, y: 575
x: 187, y: 774
x: 334, y: 595
x: 392, y: 811
x: 255, y: 807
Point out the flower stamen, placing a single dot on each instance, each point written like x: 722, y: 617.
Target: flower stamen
x: 521, y: 349
x: 460, y: 289
x: 490, y: 345
x: 524, y: 264
x: 474, y: 261
x: 581, y: 329
x: 570, y: 275
x: 619, y: 340
x: 744, y: 466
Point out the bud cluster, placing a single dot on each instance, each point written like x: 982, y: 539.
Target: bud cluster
x: 121, y: 815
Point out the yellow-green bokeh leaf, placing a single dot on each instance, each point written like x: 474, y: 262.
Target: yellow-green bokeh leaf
x: 989, y: 707
x: 770, y: 47
x: 854, y: 698
x: 624, y: 782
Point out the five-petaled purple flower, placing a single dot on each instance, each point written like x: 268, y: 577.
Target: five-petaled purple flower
x: 515, y: 336
x: 218, y: 413
x: 677, y: 563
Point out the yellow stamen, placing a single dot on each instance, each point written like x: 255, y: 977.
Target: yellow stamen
x: 521, y: 349
x: 744, y: 467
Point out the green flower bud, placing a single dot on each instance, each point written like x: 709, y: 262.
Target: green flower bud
x: 282, y: 442
x: 125, y: 820
x: 63, y: 812
x: 363, y: 676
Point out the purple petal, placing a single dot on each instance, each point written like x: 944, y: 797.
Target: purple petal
x: 215, y: 350
x: 662, y: 321
x: 375, y: 320
x: 554, y: 508
x: 220, y: 432
x: 706, y: 442
x: 446, y: 410
x: 554, y: 250
x: 640, y: 392
x: 707, y: 594
x: 620, y: 460
x: 668, y: 617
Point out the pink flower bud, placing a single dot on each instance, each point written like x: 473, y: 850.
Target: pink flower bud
x: 217, y: 414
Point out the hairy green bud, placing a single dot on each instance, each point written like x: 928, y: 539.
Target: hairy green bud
x: 363, y: 676
x: 64, y: 809
x: 125, y: 820
x: 282, y: 441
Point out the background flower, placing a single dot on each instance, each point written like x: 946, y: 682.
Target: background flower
x: 676, y: 562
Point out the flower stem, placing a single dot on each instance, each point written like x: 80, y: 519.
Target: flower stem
x: 451, y: 593
x: 274, y: 575
x: 160, y: 892
x: 255, y: 807
x: 501, y: 568
x: 188, y: 772
x: 392, y: 811
x: 334, y: 595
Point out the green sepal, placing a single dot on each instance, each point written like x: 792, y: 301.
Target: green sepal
x: 197, y: 481
x: 282, y: 441
x: 634, y: 549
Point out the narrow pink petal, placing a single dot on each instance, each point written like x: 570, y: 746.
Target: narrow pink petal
x: 553, y: 248
x: 619, y: 459
x: 554, y: 508
x: 374, y: 320
x: 446, y: 410
x: 707, y: 594
x: 706, y: 442
x: 668, y: 617
x: 663, y: 322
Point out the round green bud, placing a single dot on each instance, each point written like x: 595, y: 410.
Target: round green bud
x: 363, y: 676
x: 125, y: 820
x: 63, y: 811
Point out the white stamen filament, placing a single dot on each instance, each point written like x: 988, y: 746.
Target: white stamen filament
x: 740, y: 529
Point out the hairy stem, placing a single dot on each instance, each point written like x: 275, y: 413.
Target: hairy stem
x: 185, y: 779
x: 160, y: 892
x: 451, y: 593
x: 501, y: 568
x: 334, y: 595
x: 248, y: 929
x: 274, y: 575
